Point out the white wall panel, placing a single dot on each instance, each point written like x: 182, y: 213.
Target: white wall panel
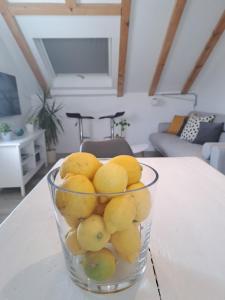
x: 197, y: 23
x: 210, y: 85
x: 148, y: 23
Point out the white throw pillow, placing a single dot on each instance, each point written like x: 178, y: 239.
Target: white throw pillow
x: 192, y: 126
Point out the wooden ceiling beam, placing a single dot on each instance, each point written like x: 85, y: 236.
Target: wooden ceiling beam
x: 124, y: 30
x: 26, y: 9
x: 210, y: 45
x: 97, y: 9
x: 167, y: 44
x: 21, y: 42
x: 70, y: 4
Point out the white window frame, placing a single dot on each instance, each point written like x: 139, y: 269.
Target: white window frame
x: 42, y: 27
x: 77, y: 83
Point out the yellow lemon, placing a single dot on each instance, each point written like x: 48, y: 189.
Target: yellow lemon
x: 72, y: 221
x: 72, y: 243
x: 100, y: 208
x: 75, y: 205
x: 80, y: 163
x: 103, y: 199
x: 127, y: 243
x: 142, y: 201
x: 68, y: 175
x: 91, y: 233
x: 131, y: 165
x: 99, y: 265
x: 110, y: 178
x: 119, y: 213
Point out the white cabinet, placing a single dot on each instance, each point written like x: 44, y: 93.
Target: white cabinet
x: 21, y: 158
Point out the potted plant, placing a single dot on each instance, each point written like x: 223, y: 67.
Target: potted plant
x: 123, y: 125
x: 6, y: 132
x: 49, y: 120
x: 31, y: 123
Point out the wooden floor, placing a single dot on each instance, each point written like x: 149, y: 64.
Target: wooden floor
x: 10, y: 198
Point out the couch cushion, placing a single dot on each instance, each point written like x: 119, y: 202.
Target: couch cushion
x: 171, y: 145
x: 176, y: 124
x: 208, y: 133
x: 191, y: 128
x: 219, y: 118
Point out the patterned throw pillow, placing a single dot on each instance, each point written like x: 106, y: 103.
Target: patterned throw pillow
x: 192, y: 126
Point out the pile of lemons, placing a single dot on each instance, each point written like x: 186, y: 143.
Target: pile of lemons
x: 100, y: 223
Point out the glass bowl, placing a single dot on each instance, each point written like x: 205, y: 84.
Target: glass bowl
x: 126, y: 273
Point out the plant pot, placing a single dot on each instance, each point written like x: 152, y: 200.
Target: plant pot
x: 123, y: 134
x: 51, y: 156
x: 6, y: 136
x: 30, y: 128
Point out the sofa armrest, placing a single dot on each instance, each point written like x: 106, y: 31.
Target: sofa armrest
x: 217, y: 158
x: 207, y: 149
x: 215, y: 154
x: 163, y: 126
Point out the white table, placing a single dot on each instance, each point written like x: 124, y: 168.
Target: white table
x: 187, y: 242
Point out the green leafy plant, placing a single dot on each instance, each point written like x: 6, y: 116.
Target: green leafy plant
x: 49, y: 120
x: 5, y: 128
x: 123, y: 124
x: 32, y: 119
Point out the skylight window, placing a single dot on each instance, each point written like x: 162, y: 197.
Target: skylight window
x: 78, y: 55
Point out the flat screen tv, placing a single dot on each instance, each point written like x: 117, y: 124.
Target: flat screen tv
x: 9, y: 99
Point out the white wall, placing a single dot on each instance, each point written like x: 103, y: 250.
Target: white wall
x: 143, y: 116
x: 148, y: 24
x: 210, y: 85
x: 197, y: 23
x: 12, y: 62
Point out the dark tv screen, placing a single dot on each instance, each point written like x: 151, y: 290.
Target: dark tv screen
x: 9, y: 99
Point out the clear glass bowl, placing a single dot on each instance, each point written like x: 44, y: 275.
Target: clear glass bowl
x: 126, y: 274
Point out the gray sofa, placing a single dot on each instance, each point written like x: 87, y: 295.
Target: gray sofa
x: 171, y: 145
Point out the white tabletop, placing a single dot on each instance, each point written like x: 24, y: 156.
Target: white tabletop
x: 31, y: 259
x: 187, y: 242
x: 188, y: 232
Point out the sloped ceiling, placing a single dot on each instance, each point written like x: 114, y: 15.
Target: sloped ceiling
x: 148, y: 24
x: 198, y: 21
x: 149, y: 21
